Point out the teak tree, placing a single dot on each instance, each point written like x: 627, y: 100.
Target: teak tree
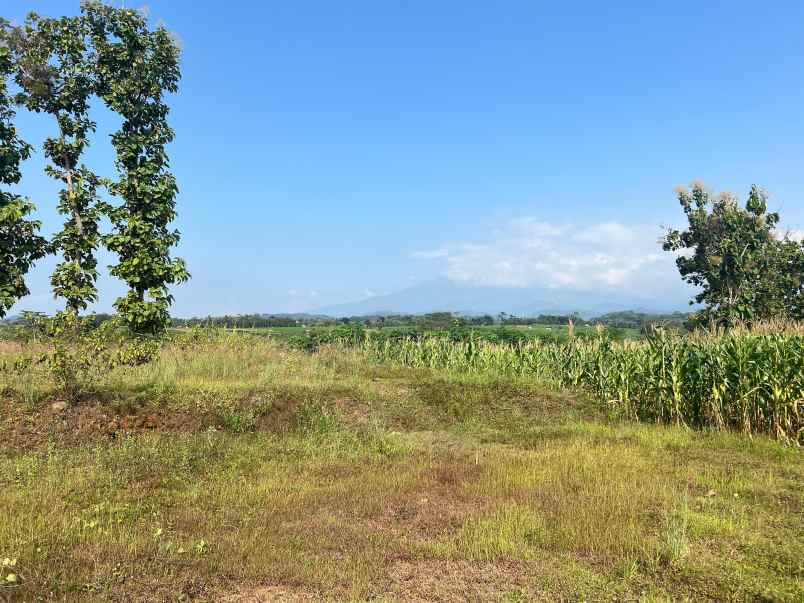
x: 56, y: 75
x: 59, y: 65
x: 135, y: 68
x: 745, y: 271
x: 20, y: 244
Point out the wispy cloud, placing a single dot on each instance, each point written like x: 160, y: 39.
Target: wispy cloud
x: 530, y: 252
x: 430, y: 255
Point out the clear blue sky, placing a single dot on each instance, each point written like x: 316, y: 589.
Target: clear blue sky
x: 330, y: 150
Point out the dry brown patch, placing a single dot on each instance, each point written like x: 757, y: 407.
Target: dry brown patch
x: 451, y: 580
x: 92, y: 422
x: 439, y: 504
x: 12, y: 347
x: 281, y: 418
x: 271, y: 594
x: 391, y: 388
x: 430, y: 501
x: 548, y: 405
x: 353, y: 411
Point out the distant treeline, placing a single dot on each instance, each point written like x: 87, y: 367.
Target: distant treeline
x: 431, y: 321
x: 245, y: 321
x: 438, y: 320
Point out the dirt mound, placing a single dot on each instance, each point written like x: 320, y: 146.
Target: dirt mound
x: 91, y: 422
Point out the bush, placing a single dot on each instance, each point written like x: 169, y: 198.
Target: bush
x: 313, y: 339
x: 82, y: 351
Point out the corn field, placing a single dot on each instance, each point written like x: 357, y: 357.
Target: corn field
x: 751, y: 381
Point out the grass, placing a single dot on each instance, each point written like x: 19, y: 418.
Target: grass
x: 237, y: 470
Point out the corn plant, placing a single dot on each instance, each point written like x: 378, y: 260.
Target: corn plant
x: 746, y: 380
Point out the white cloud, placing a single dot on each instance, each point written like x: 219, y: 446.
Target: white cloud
x: 536, y: 228
x: 611, y: 234
x: 429, y: 255
x: 528, y: 252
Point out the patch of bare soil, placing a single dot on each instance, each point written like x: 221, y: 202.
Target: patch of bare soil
x: 282, y: 416
x: 353, y: 411
x: 415, y: 581
x: 437, y: 504
x: 272, y: 594
x: 94, y: 422
x: 91, y: 422
x: 442, y: 505
x: 451, y: 580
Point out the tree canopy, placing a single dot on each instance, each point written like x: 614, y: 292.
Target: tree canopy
x: 20, y: 244
x: 59, y: 65
x: 744, y: 268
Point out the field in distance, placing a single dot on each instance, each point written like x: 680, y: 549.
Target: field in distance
x: 535, y: 330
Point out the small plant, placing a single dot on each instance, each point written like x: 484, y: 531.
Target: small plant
x: 676, y: 541
x: 315, y: 420
x: 81, y: 353
x: 238, y: 421
x: 313, y: 339
x: 9, y: 574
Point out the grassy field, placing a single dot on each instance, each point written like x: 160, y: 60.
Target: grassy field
x: 238, y: 470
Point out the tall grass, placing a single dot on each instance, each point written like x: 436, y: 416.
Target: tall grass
x: 748, y: 380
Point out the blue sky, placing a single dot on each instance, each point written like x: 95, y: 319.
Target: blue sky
x: 331, y: 151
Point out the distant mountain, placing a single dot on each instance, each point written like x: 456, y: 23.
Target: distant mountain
x: 447, y: 296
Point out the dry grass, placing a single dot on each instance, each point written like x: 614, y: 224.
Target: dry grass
x: 327, y: 478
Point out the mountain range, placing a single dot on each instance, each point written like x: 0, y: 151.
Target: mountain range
x: 448, y: 296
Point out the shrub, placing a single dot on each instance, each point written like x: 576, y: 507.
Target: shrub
x: 80, y: 353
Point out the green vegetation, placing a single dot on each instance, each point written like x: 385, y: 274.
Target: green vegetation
x: 439, y: 321
x: 135, y: 68
x: 60, y: 65
x: 54, y: 71
x: 234, y: 468
x: 748, y: 380
x: 744, y: 269
x: 20, y: 244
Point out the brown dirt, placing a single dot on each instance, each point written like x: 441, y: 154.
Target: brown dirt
x: 442, y: 505
x: 353, y: 411
x: 282, y: 416
x: 415, y: 581
x: 93, y: 422
x: 272, y: 594
x: 438, y: 505
x: 451, y: 580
